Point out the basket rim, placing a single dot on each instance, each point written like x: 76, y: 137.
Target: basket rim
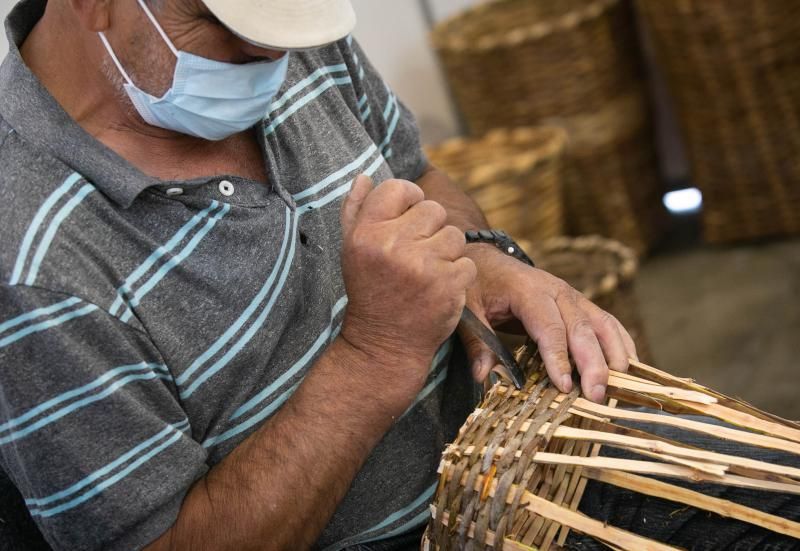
x: 624, y: 272
x: 554, y: 139
x: 446, y: 35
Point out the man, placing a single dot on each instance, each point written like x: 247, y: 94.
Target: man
x: 206, y: 342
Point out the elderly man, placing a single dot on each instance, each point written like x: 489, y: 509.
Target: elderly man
x: 215, y: 331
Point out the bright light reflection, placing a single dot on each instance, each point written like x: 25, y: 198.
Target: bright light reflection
x: 682, y: 201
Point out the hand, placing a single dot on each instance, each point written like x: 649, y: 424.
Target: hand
x: 406, y: 278
x: 555, y: 315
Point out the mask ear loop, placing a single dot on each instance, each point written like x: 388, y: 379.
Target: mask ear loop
x: 114, y: 58
x: 158, y: 27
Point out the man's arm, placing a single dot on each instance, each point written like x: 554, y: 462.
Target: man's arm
x: 406, y: 280
x: 553, y: 313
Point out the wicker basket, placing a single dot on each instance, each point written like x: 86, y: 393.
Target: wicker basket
x: 602, y: 269
x: 574, y: 64
x: 515, y: 475
x: 732, y: 67
x: 513, y: 175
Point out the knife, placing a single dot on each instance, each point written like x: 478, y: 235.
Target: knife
x: 511, y: 369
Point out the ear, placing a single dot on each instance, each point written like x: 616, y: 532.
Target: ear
x: 94, y: 15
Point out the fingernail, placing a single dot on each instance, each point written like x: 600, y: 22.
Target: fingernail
x: 566, y: 383
x: 598, y: 393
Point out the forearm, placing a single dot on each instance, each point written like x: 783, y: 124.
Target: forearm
x: 462, y: 211
x: 279, y: 488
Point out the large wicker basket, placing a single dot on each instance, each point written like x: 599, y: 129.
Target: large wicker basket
x: 604, y: 270
x: 733, y: 67
x: 513, y: 175
x: 515, y: 475
x: 573, y: 63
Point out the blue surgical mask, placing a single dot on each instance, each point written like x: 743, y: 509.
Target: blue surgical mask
x: 208, y: 99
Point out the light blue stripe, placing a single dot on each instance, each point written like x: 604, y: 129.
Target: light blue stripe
x: 362, y: 101
x: 125, y: 289
x: 108, y: 482
x: 339, y: 191
x: 305, y: 100
x: 349, y: 39
x: 44, y: 325
x: 254, y: 327
x: 105, y: 377
x: 297, y: 366
x: 423, y: 499
x: 175, y: 260
x: 355, y: 163
x: 263, y: 414
x: 96, y: 475
x: 39, y: 312
x: 233, y: 329
x: 56, y: 415
x: 407, y: 526
x: 361, y: 73
x: 60, y: 216
x: 27, y: 241
x: 430, y: 387
x: 365, y: 114
x: 388, y: 154
x: 277, y: 104
x: 391, y: 129
x: 389, y: 104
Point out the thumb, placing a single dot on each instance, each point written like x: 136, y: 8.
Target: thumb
x: 481, y: 359
x: 351, y: 206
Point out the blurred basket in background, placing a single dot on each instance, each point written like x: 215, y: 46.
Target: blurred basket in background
x: 733, y: 68
x: 513, y: 175
x: 574, y: 64
x: 514, y: 477
x: 602, y: 269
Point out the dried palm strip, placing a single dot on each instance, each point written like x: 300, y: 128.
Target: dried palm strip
x: 665, y: 378
x: 736, y: 417
x: 662, y: 469
x: 573, y: 519
x: 582, y: 406
x: 677, y: 494
x: 490, y: 537
x: 717, y: 462
x: 669, y: 391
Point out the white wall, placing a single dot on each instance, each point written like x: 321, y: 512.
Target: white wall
x: 5, y: 7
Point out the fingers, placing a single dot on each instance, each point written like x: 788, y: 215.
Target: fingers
x: 464, y: 273
x: 544, y: 323
x: 426, y: 218
x: 449, y: 241
x: 630, y: 346
x: 351, y: 206
x: 584, y: 345
x: 607, y: 329
x: 390, y: 199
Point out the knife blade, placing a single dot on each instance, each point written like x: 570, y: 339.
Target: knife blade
x: 510, y: 367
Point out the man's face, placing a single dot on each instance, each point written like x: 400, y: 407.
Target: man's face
x: 190, y: 26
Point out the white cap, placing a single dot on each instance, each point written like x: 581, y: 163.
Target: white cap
x: 286, y: 24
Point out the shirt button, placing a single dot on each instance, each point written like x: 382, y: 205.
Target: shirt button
x: 174, y: 191
x: 226, y: 188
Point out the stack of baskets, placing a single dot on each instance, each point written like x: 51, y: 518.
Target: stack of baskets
x: 604, y: 270
x: 574, y: 64
x: 733, y: 67
x: 513, y: 175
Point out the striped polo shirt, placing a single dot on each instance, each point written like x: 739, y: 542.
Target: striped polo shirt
x: 147, y: 327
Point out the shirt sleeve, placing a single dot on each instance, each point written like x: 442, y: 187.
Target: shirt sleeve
x: 92, y: 433
x: 391, y: 125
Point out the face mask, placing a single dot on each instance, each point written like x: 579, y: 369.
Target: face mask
x: 208, y: 99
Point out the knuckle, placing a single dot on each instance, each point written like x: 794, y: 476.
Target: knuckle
x: 581, y: 327
x: 553, y: 332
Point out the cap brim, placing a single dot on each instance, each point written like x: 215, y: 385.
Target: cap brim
x: 286, y: 24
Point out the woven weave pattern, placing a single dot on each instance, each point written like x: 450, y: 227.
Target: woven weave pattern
x: 514, y: 477
x: 573, y: 64
x: 733, y: 67
x: 513, y: 175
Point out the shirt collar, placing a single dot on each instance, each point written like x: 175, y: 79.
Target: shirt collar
x: 36, y: 116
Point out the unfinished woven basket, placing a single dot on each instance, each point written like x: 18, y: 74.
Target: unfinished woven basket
x: 515, y: 475
x: 602, y: 269
x: 575, y: 64
x: 514, y: 176
x: 733, y: 68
